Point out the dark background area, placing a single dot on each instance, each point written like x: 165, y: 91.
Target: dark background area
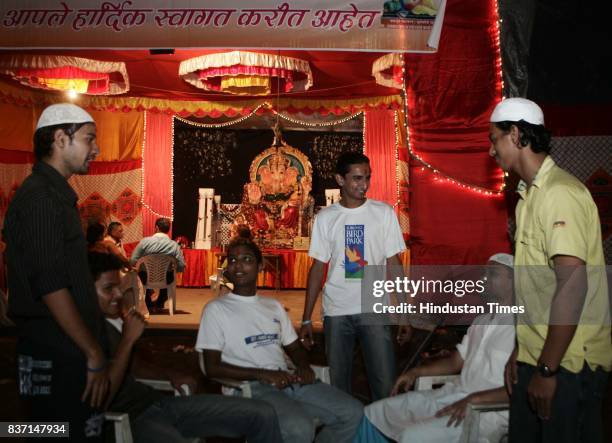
x: 570, y: 59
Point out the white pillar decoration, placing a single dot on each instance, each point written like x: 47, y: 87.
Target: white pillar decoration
x: 332, y: 196
x: 204, y: 228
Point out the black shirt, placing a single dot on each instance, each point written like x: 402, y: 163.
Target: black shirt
x: 46, y: 251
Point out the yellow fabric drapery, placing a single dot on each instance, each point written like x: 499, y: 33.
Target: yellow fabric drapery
x: 120, y: 134
x: 246, y: 85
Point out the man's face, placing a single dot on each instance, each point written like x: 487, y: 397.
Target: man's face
x: 502, y: 148
x: 356, y: 182
x: 109, y: 295
x: 117, y: 232
x: 81, y: 150
x: 242, y: 267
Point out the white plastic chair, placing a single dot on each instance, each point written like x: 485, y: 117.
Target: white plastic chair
x: 156, y: 266
x: 471, y: 423
x: 121, y: 420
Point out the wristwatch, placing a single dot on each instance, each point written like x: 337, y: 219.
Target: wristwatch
x: 545, y: 371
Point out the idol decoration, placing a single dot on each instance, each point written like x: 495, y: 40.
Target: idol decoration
x: 276, y: 201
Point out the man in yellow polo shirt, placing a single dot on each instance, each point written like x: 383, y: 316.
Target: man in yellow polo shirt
x: 557, y: 373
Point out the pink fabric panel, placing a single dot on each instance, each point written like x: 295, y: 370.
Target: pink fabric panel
x: 157, y: 169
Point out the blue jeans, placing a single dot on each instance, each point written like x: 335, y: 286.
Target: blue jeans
x: 175, y: 419
x: 376, y: 341
x: 575, y: 411
x: 300, y: 408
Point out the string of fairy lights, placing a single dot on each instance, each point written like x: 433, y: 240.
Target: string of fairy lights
x: 439, y: 175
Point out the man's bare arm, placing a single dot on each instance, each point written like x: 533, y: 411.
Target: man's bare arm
x: 313, y: 288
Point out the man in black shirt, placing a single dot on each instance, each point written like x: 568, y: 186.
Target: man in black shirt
x: 61, y: 350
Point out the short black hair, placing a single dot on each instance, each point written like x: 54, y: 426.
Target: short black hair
x: 112, y: 226
x: 243, y: 231
x: 346, y: 159
x: 247, y: 242
x: 95, y: 232
x: 536, y: 135
x: 163, y: 224
x: 100, y: 262
x: 43, y: 137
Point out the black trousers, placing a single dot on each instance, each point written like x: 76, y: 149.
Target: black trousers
x: 576, y: 408
x: 52, y: 386
x: 162, y: 297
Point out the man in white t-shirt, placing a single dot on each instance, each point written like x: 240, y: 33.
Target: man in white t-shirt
x: 245, y: 337
x: 348, y: 236
x: 437, y: 415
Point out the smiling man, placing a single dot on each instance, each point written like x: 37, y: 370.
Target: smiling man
x: 62, y: 364
x: 557, y: 373
x: 348, y: 236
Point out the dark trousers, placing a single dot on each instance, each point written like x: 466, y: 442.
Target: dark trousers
x: 52, y: 386
x: 163, y: 293
x: 576, y: 408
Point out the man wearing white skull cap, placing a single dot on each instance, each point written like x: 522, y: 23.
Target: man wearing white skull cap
x: 61, y: 347
x: 557, y: 372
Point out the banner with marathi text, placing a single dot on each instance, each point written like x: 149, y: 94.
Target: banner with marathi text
x: 373, y: 25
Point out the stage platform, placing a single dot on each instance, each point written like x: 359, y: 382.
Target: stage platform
x: 190, y: 301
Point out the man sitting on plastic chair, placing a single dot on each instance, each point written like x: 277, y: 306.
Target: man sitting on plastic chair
x: 437, y: 415
x: 154, y: 416
x: 244, y: 336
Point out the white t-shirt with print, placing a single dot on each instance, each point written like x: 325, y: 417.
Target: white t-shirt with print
x: 350, y: 239
x: 249, y: 331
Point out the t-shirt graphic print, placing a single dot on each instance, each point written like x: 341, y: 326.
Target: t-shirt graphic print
x: 354, y: 251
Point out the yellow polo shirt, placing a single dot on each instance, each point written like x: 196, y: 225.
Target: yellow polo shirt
x: 556, y: 215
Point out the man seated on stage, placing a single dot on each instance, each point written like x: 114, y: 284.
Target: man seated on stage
x: 156, y: 417
x: 437, y: 415
x: 245, y: 336
x: 114, y: 234
x: 158, y: 243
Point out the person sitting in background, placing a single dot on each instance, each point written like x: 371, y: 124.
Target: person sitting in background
x: 156, y: 417
x: 97, y: 242
x: 114, y: 234
x: 158, y: 243
x: 245, y: 336
x: 437, y: 415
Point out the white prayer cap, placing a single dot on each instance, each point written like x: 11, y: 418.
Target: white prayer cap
x: 516, y: 109
x: 503, y: 259
x: 63, y: 113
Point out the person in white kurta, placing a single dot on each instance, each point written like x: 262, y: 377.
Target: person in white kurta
x: 420, y: 416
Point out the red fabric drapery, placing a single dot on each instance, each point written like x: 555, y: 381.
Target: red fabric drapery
x: 380, y: 148
x: 451, y: 94
x: 157, y: 170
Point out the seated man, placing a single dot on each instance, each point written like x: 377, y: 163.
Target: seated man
x: 436, y: 415
x: 158, y: 243
x: 157, y: 417
x: 114, y: 234
x: 245, y: 336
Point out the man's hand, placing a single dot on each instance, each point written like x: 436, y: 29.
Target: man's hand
x: 178, y: 380
x: 133, y: 325
x: 305, y: 375
x: 98, y: 382
x: 541, y: 391
x: 279, y: 379
x: 456, y: 411
x: 404, y: 334
x: 306, y: 336
x: 404, y: 382
x: 510, y: 375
